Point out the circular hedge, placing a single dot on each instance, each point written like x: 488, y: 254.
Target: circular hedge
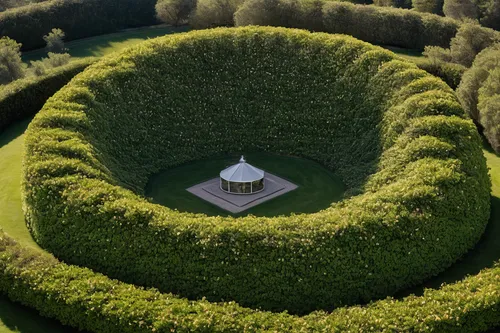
x: 396, y: 135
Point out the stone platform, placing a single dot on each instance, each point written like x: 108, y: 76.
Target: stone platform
x: 236, y: 203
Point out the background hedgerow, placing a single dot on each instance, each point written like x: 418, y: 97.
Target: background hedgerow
x: 77, y: 18
x: 395, y: 134
x: 24, y: 98
x: 415, y: 30
x: 84, y: 18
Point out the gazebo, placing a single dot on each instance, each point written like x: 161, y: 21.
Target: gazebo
x: 242, y: 178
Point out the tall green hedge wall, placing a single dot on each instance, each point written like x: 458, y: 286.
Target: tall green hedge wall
x: 24, y: 98
x: 77, y: 18
x: 392, y: 131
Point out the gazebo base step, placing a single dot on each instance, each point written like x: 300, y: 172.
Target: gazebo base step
x: 236, y: 203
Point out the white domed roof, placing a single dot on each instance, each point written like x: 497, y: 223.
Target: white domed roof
x: 242, y: 172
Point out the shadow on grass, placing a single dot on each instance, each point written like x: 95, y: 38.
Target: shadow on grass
x: 18, y: 318
x: 104, y: 44
x: 13, y: 131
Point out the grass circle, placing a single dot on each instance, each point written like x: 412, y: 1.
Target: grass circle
x: 317, y: 188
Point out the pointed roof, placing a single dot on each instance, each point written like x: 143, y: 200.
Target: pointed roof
x: 242, y: 172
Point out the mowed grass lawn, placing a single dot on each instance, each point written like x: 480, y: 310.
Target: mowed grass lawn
x: 317, y: 187
x: 101, y: 45
x: 16, y: 318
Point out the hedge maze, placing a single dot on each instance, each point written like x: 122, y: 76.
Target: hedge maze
x: 418, y: 192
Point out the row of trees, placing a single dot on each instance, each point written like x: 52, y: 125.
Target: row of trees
x: 13, y: 68
x: 487, y: 12
x: 479, y: 93
x: 469, y: 41
x: 8, y: 4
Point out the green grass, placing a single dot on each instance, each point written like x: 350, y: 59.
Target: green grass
x: 408, y: 54
x: 11, y: 214
x: 318, y: 187
x: 105, y: 44
x: 15, y: 317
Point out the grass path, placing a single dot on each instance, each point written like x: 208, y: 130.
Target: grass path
x: 15, y: 317
x: 101, y: 45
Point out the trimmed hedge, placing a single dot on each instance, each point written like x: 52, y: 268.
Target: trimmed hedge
x: 172, y: 100
x: 414, y: 30
x: 86, y: 300
x: 24, y: 98
x: 449, y: 72
x: 77, y: 18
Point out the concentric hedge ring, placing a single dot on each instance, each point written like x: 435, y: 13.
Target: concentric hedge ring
x: 349, y: 105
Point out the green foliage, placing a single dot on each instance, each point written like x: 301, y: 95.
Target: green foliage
x: 90, y: 151
x: 214, y: 13
x: 489, y: 108
x: 77, y: 18
x: 174, y: 12
x: 460, y: 9
x: 9, y: 4
x: 486, y: 11
x: 474, y: 78
x: 11, y: 65
x: 428, y: 6
x: 55, y: 41
x: 448, y: 72
x: 471, y: 39
x: 491, y: 14
x: 24, y: 98
x: 415, y: 30
x: 54, y: 60
x: 83, y: 299
x: 393, y: 3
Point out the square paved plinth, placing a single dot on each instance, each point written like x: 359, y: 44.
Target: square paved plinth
x: 236, y: 203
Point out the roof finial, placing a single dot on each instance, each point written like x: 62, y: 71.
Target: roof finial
x: 242, y: 159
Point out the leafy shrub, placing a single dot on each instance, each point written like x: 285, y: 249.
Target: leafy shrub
x: 11, y: 65
x: 174, y: 12
x: 24, y: 98
x: 489, y: 108
x: 55, y: 41
x: 448, y: 72
x: 54, y: 60
x: 460, y: 9
x: 393, y: 3
x: 77, y: 18
x: 479, y: 93
x: 90, y: 151
x: 428, y: 6
x: 415, y: 30
x: 474, y: 78
x: 486, y: 11
x: 214, y: 13
x: 471, y: 39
